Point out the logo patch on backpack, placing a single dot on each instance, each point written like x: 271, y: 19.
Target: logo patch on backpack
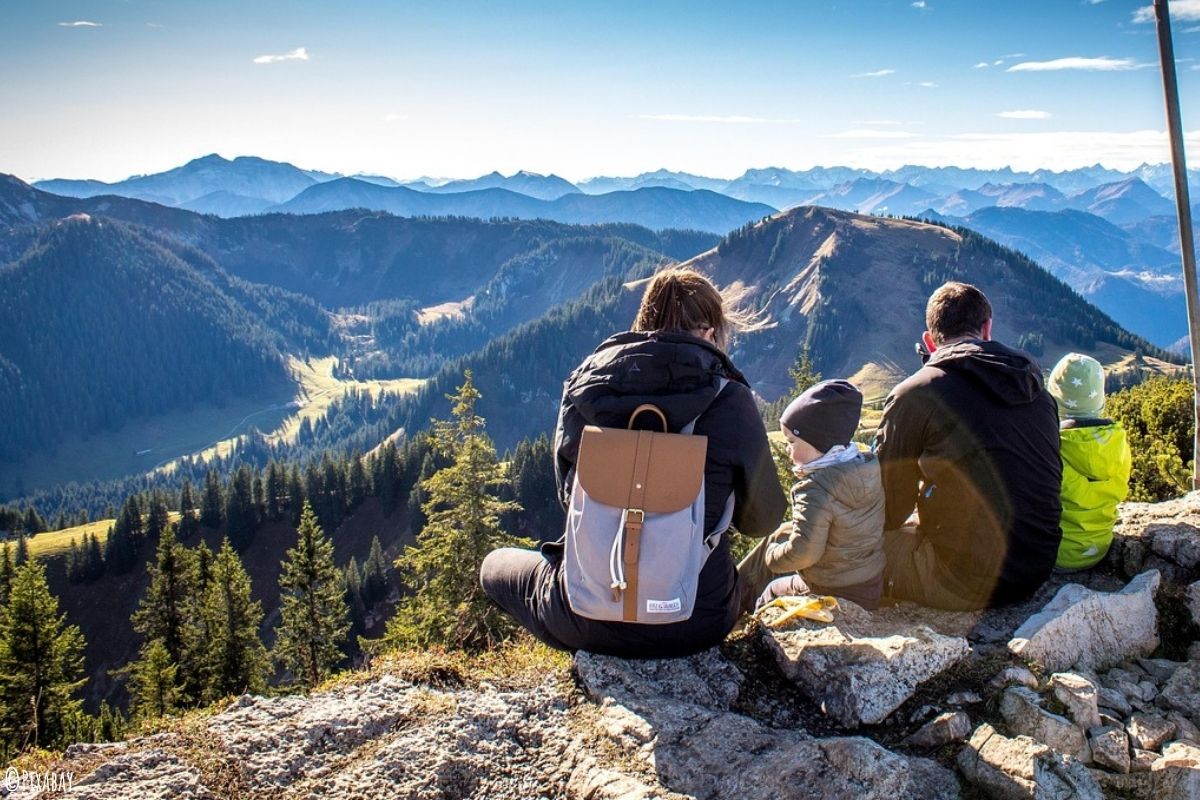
x: 663, y: 606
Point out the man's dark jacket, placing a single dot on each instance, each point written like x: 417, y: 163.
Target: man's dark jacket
x: 972, y: 441
x: 680, y: 374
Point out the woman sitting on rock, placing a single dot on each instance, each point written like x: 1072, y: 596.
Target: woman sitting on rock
x: 673, y: 358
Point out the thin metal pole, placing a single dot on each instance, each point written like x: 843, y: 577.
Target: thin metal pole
x: 1166, y: 52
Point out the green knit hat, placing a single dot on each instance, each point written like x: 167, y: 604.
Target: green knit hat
x: 1077, y: 383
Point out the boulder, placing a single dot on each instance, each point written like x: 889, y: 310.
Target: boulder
x: 1182, y: 692
x: 1008, y: 676
x: 1023, y: 713
x: 1114, y: 699
x: 1184, y: 729
x: 1080, y: 697
x: 943, y: 729
x: 1160, y: 670
x: 1110, y: 748
x: 1149, y: 731
x: 1020, y: 768
x: 1173, y: 776
x: 859, y: 669
x: 703, y: 750
x: 1141, y: 760
x: 1085, y: 628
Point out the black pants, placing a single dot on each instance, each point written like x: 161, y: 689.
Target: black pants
x: 528, y: 585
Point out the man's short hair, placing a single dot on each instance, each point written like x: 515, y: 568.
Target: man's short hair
x: 956, y: 310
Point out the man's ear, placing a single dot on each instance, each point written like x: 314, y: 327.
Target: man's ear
x: 927, y: 338
x: 986, y: 332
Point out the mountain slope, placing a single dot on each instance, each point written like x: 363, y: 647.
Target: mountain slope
x: 105, y: 325
x: 652, y: 207
x: 542, y: 187
x: 1124, y: 202
x: 852, y: 287
x: 248, y: 176
x: 1136, y: 283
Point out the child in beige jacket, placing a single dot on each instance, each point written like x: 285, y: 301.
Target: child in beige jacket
x: 834, y: 543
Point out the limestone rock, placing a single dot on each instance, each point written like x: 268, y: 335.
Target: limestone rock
x: 1182, y: 692
x: 144, y: 775
x: 1160, y: 670
x: 1141, y: 760
x: 1114, y: 699
x: 941, y: 730
x: 1021, y: 676
x: 1149, y: 731
x: 1179, y: 754
x: 1193, y: 601
x: 1023, y: 713
x: 1110, y: 748
x: 702, y: 750
x: 1081, y: 627
x: 860, y: 670
x: 963, y: 699
x: 1174, y: 776
x: 707, y: 679
x: 1080, y: 697
x: 1021, y: 769
x: 1184, y: 729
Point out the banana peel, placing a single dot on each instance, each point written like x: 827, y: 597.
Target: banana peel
x: 818, y: 608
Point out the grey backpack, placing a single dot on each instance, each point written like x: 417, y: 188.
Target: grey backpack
x: 635, y: 540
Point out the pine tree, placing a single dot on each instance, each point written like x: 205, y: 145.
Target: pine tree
x: 313, y: 616
x: 357, y: 482
x: 240, y: 517
x: 188, y: 523
x: 276, y: 490
x: 41, y: 663
x: 237, y: 660
x: 157, y: 518
x: 153, y: 685
x: 7, y: 573
x: 194, y: 666
x: 162, y: 614
x: 352, y: 584
x: 22, y: 555
x: 442, y: 568
x: 211, y: 502
x: 374, y: 574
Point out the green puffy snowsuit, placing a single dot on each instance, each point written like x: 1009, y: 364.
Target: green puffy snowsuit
x: 1096, y: 464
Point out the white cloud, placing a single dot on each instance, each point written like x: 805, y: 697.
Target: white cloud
x: 299, y: 54
x: 878, y: 122
x: 997, y: 62
x: 733, y: 120
x: 928, y: 84
x: 393, y: 117
x: 80, y: 23
x: 153, y: 25
x: 866, y: 133
x: 1102, y: 64
x: 981, y: 65
x: 1013, y: 55
x: 1027, y: 113
x: 879, y: 73
x: 919, y: 4
x: 1093, y: 2
x: 1180, y: 10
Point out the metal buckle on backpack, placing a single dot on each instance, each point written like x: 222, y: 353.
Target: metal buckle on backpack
x: 625, y: 515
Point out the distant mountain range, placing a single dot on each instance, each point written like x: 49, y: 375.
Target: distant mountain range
x: 1131, y: 281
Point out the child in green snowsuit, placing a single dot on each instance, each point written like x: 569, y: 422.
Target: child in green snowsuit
x: 1096, y: 462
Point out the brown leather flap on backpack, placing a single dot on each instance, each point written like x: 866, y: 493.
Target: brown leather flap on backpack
x: 673, y: 465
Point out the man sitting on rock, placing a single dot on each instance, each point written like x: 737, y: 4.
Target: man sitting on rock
x: 971, y: 440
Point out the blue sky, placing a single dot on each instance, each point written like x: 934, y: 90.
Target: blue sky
x: 109, y: 88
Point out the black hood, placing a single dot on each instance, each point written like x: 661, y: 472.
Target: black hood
x: 1011, y: 375
x: 677, y: 372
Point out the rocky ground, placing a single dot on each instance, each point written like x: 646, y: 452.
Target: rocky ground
x: 1090, y: 690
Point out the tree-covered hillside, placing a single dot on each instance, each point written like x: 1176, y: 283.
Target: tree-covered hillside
x: 104, y: 324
